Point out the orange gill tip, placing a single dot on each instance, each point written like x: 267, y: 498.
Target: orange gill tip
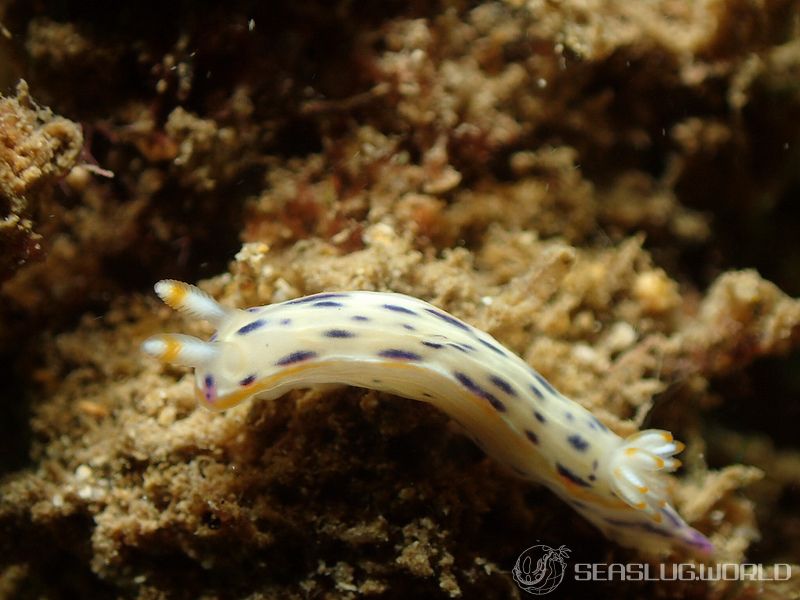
x: 179, y: 349
x: 673, y: 464
x: 657, y: 518
x: 172, y: 292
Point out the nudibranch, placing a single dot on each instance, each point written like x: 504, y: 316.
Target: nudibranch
x: 407, y: 347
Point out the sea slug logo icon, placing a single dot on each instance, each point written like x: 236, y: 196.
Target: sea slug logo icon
x: 540, y: 569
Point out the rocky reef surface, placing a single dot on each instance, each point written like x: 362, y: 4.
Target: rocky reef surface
x: 607, y: 187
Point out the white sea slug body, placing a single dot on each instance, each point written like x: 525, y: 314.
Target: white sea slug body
x: 405, y: 346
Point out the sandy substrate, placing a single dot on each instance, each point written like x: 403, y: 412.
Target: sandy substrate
x: 608, y: 188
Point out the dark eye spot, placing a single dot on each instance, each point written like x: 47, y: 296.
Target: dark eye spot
x: 578, y: 443
x: 338, y: 333
x: 399, y: 354
x: 295, y: 357
x: 399, y: 309
x: 257, y: 324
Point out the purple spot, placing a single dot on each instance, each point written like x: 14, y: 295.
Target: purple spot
x: 286, y: 321
x: 360, y: 318
x: 338, y: 333
x: 247, y: 380
x: 328, y: 304
x: 209, y: 391
x: 492, y: 347
x: 433, y: 345
x: 399, y: 309
x: 449, y: 319
x: 315, y: 297
x: 503, y: 385
x: 532, y: 436
x: 578, y: 443
x: 399, y: 354
x: 409, y: 327
x: 565, y: 472
x: 473, y: 387
x: 536, y: 391
x: 258, y: 323
x: 544, y: 383
x: 295, y: 357
x: 599, y: 423
x: 539, y: 416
